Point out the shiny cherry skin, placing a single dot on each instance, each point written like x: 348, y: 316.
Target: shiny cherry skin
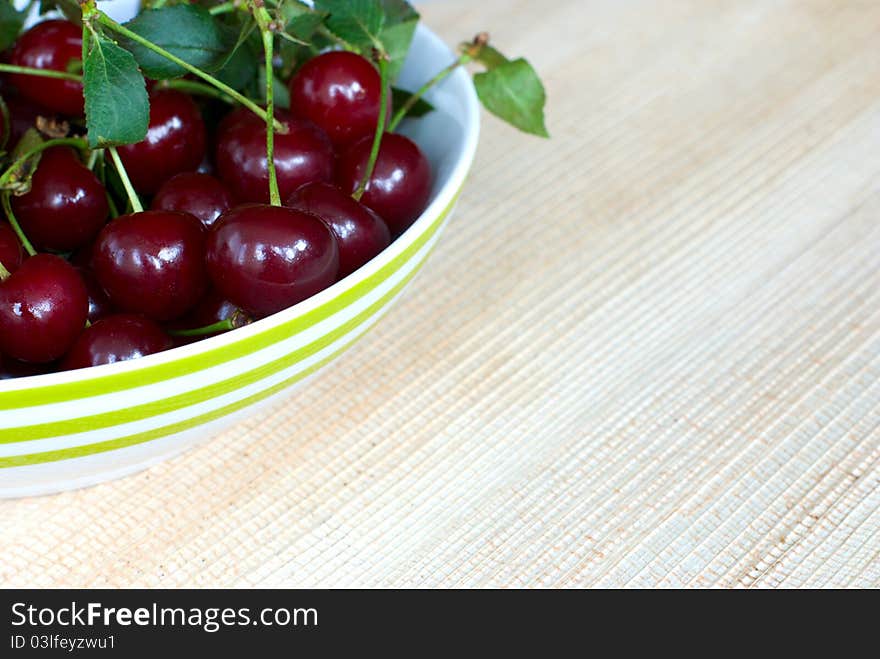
x: 50, y: 45
x: 66, y: 205
x: 303, y: 154
x: 400, y: 186
x: 340, y: 92
x: 267, y: 258
x: 11, y: 252
x: 198, y: 194
x: 175, y: 142
x: 99, y: 303
x: 152, y: 263
x: 360, y: 233
x: 116, y: 338
x: 43, y: 308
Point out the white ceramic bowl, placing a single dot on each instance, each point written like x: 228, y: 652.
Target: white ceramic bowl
x: 67, y: 430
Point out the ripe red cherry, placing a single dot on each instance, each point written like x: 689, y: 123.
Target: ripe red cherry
x: 197, y: 194
x: 99, y: 303
x: 50, y: 45
x: 302, y: 155
x: 43, y: 308
x: 152, y: 263
x: 340, y: 92
x: 11, y: 252
x: 267, y: 258
x: 22, y: 115
x: 66, y: 205
x: 114, y: 339
x: 360, y: 233
x: 12, y: 368
x: 175, y: 142
x: 400, y: 186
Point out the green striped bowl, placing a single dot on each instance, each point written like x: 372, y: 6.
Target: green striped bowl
x: 67, y: 430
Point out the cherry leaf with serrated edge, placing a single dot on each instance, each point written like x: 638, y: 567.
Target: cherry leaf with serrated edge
x: 357, y: 22
x: 189, y: 32
x: 513, y: 92
x: 117, y: 107
x: 397, y: 35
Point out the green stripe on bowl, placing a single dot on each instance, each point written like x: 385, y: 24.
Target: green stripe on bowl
x: 98, y: 386
x: 188, y: 424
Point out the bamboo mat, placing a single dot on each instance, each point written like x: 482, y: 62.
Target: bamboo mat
x: 645, y: 353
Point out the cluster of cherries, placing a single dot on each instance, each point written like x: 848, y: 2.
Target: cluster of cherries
x: 211, y: 248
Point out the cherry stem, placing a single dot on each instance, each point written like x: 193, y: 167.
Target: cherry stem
x: 238, y: 319
x: 197, y: 88
x: 224, y: 8
x: 4, y: 273
x: 106, y: 21
x: 44, y: 73
x: 263, y: 21
x: 77, y: 142
x: 414, y: 98
x: 133, y: 198
x: 7, y: 208
x: 380, y: 127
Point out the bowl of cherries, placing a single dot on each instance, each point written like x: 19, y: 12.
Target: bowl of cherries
x: 204, y: 205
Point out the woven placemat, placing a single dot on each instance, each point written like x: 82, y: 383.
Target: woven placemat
x: 645, y: 353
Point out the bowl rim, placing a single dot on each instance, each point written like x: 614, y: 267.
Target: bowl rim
x: 444, y: 199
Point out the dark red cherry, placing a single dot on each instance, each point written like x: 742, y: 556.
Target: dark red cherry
x: 175, y: 142
x: 114, y: 339
x: 66, y: 205
x: 197, y: 194
x: 13, y: 368
x: 43, y: 308
x: 360, y: 233
x: 50, y: 45
x: 400, y: 186
x: 22, y: 115
x: 302, y: 155
x: 152, y: 263
x: 11, y: 252
x: 340, y: 92
x: 267, y: 258
x: 99, y: 303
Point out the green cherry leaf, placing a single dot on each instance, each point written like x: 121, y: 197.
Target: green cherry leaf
x: 397, y: 35
x: 236, y: 69
x: 117, y: 108
x: 300, y: 20
x: 489, y: 57
x: 513, y: 92
x: 419, y: 109
x: 11, y: 22
x: 187, y: 31
x: 19, y: 180
x: 356, y: 22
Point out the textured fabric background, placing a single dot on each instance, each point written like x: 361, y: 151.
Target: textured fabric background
x: 645, y: 353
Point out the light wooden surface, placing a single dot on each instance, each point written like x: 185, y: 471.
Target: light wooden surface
x: 646, y: 352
